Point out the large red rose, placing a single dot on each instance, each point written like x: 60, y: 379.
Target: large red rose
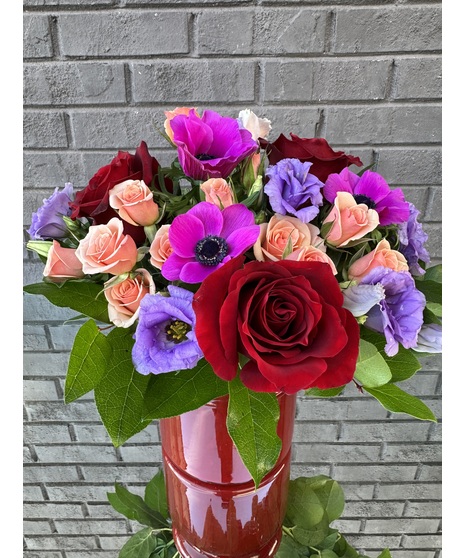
x: 314, y: 150
x: 286, y: 317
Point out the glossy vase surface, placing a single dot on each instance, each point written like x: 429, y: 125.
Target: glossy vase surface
x: 215, y: 508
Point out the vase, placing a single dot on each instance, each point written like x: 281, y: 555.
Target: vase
x: 215, y: 509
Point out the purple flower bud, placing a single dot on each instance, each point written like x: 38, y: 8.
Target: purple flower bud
x: 429, y: 339
x: 47, y: 223
x: 412, y: 239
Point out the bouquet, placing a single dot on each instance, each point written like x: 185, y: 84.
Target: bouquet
x: 247, y: 267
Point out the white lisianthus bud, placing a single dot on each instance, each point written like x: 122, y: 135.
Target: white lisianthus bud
x: 258, y: 127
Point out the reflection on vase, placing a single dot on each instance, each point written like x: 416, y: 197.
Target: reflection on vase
x: 215, y: 509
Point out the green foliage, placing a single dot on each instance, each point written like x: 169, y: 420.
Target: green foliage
x: 372, y: 370
x: 313, y: 504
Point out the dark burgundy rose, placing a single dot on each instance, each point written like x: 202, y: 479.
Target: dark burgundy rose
x: 314, y: 150
x: 286, y: 317
x: 92, y: 201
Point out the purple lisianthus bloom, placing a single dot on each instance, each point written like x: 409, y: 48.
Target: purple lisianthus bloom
x: 165, y: 340
x: 429, y: 339
x: 47, y: 223
x: 372, y: 190
x: 399, y: 315
x: 205, y: 238
x: 412, y: 239
x: 210, y: 146
x: 291, y: 188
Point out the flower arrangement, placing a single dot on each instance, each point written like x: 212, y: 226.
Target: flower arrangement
x: 248, y: 267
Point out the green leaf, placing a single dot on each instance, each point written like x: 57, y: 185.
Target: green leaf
x: 385, y: 554
x: 80, y: 296
x: 252, y: 423
x: 174, y: 393
x: 140, y: 545
x: 313, y: 536
x: 133, y: 507
x: 372, y: 370
x: 290, y: 548
x: 87, y: 362
x: 315, y: 392
x: 119, y: 395
x: 403, y: 365
x: 431, y: 289
x: 328, y: 553
x: 155, y: 494
x: 433, y: 273
x: 396, y: 400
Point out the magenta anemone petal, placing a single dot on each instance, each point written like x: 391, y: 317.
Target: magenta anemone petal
x: 194, y: 272
x: 241, y: 240
x: 184, y: 233
x: 234, y: 217
x: 172, y: 267
x: 345, y: 181
x: 211, y: 217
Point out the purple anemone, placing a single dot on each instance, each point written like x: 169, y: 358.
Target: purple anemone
x: 210, y: 146
x: 399, y: 315
x: 291, y: 188
x: 412, y: 239
x: 205, y: 238
x: 372, y: 190
x: 47, y: 222
x: 164, y: 339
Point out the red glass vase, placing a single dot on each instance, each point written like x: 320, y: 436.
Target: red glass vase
x: 214, y: 506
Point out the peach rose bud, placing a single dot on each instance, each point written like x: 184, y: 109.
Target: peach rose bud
x: 258, y: 127
x: 160, y: 249
x: 218, y: 192
x: 351, y: 221
x: 170, y: 114
x: 312, y: 254
x: 106, y: 249
x: 124, y: 296
x: 382, y: 256
x: 283, y: 232
x: 134, y: 202
x: 62, y: 264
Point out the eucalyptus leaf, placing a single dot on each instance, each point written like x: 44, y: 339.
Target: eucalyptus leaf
x: 396, y: 400
x: 119, y: 395
x: 87, y: 362
x: 173, y: 393
x: 133, y: 507
x: 371, y: 370
x: 140, y: 545
x: 155, y: 495
x: 252, y: 423
x: 81, y: 296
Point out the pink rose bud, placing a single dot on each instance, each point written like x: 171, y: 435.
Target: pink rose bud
x: 160, y: 249
x: 351, y: 221
x: 106, y: 249
x: 62, y: 264
x: 134, y: 202
x: 218, y: 191
x: 382, y: 256
x: 170, y: 114
x: 124, y: 296
x: 312, y: 254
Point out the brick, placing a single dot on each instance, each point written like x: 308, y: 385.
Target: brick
x: 42, y: 554
x: 423, y: 509
x: 39, y: 390
x: 421, y: 384
x: 39, y: 472
x: 410, y: 165
x: 396, y: 29
x: 52, y: 510
x: 422, y: 541
x: 68, y: 83
x: 60, y: 542
x: 44, y: 129
x: 83, y: 3
x: 147, y: 454
x: 410, y: 491
x: 36, y: 528
x: 32, y: 493
x: 346, y: 526
x: 356, y: 491
x: 194, y: 81
x: 123, y: 33
x: 319, y: 432
x: 52, y: 170
x: 63, y: 335
x: 113, y: 543
x: 400, y: 525
x: 434, y: 242
x: 418, y: 78
x: 91, y: 554
x: 377, y: 473
x: 430, y: 473
x: 325, y: 80
x: 231, y: 35
x: 384, y: 432
x: 414, y: 554
x: 381, y: 125
x: 433, y: 362
x: 325, y: 452
x: 311, y: 408
x: 373, y: 508
x: 306, y: 470
x: 79, y: 492
x: 226, y: 3
x: 97, y: 433
x: 55, y: 433
x: 75, y: 453
x: 90, y: 526
x: 434, y: 207
x: 301, y: 121
x: 47, y: 364
x: 37, y: 41
x: 123, y: 472
x: 377, y: 542
x: 34, y: 337
x: 54, y: 411
x: 102, y: 511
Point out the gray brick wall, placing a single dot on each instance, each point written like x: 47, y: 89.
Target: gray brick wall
x: 366, y: 75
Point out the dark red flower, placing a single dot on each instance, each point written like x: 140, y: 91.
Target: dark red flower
x: 314, y: 150
x: 286, y: 317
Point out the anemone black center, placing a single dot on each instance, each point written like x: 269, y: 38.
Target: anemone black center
x: 361, y: 198
x: 211, y: 250
x: 204, y: 157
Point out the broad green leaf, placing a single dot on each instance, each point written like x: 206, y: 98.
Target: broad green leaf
x: 433, y: 273
x: 140, y: 545
x: 371, y: 370
x: 328, y: 553
x: 431, y: 289
x: 155, y: 494
x: 290, y: 548
x: 402, y: 366
x: 119, y: 395
x: 396, y: 400
x: 80, y: 296
x: 252, y: 422
x: 173, y: 393
x: 331, y: 539
x: 314, y: 536
x: 133, y: 507
x: 332, y: 392
x: 344, y: 550
x: 385, y: 554
x: 87, y: 362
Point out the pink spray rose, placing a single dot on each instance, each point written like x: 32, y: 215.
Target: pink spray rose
x: 106, y: 249
x: 274, y: 237
x: 350, y: 220
x: 312, y: 254
x: 62, y: 264
x: 124, y: 296
x: 218, y: 191
x: 170, y: 114
x: 160, y: 249
x: 134, y: 202
x: 382, y: 256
